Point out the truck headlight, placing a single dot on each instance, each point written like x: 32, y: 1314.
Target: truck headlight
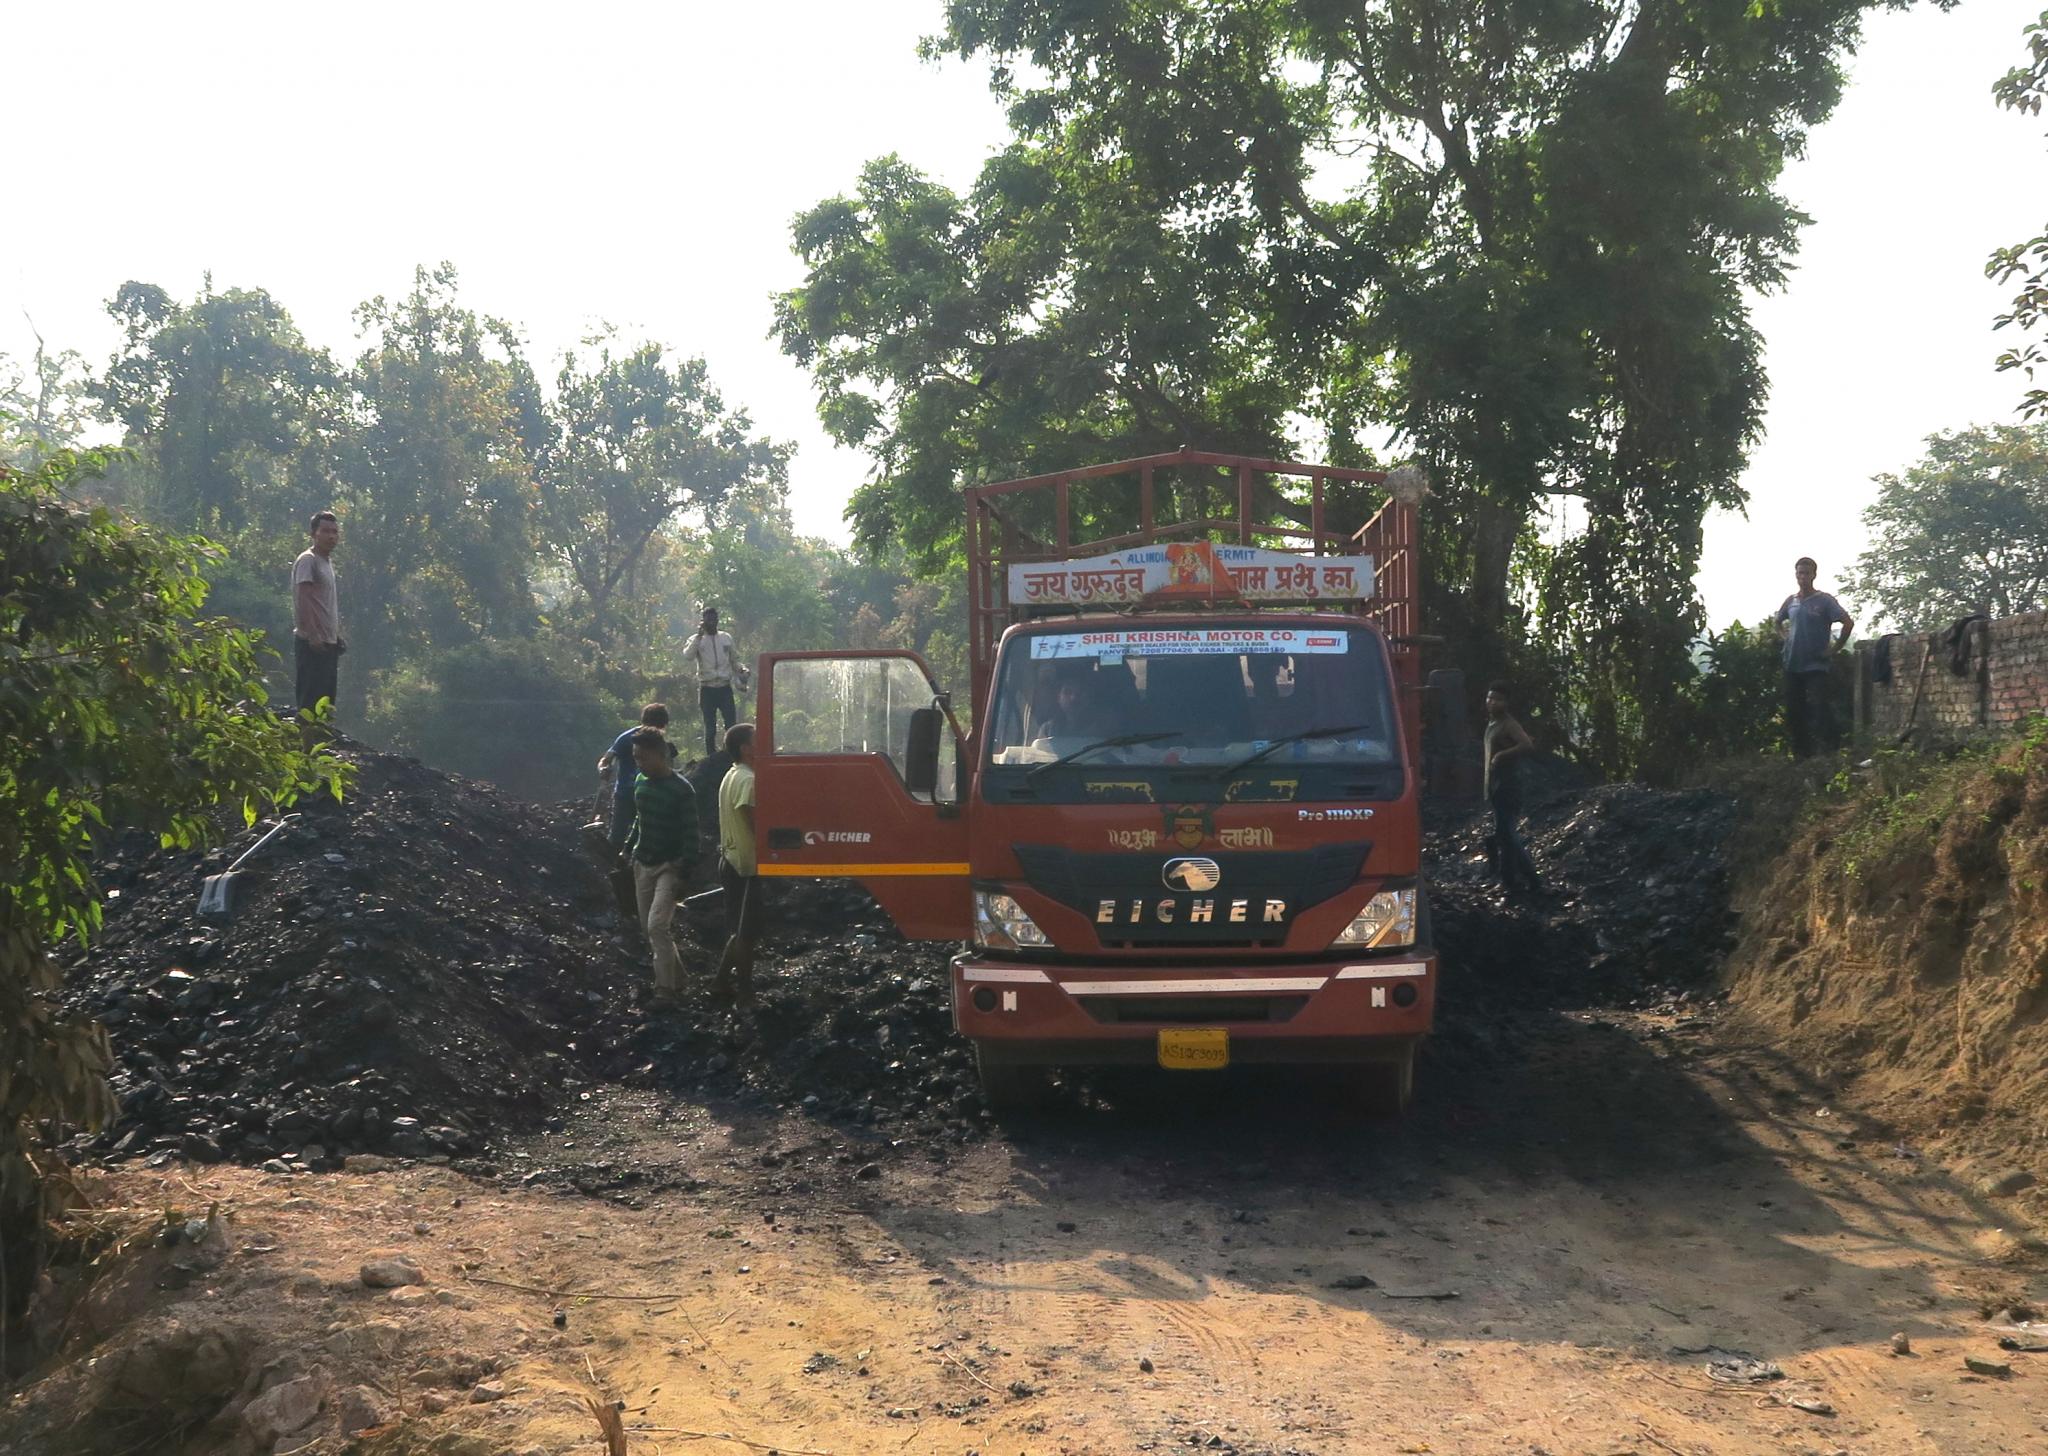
x: 1388, y: 919
x: 1001, y: 924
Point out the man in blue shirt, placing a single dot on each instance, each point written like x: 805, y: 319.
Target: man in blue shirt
x: 1806, y: 626
x: 617, y: 761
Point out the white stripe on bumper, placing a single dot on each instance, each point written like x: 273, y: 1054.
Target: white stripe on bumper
x: 1197, y: 988
x: 1381, y: 973
x: 1019, y: 974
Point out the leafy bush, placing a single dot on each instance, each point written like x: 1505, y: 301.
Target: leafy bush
x: 119, y: 706
x: 520, y: 712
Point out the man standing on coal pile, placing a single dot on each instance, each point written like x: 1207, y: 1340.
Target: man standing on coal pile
x: 316, y: 617
x: 663, y: 846
x: 1806, y: 625
x: 737, y: 870
x: 717, y: 665
x: 1507, y: 743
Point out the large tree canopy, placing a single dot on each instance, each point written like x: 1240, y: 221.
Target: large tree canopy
x: 635, y: 442
x: 1512, y: 239
x: 1965, y: 530
x: 221, y: 398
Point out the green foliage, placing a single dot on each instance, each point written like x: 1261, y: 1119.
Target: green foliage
x: 2022, y: 89
x: 631, y: 445
x: 43, y: 408
x: 1736, y: 703
x: 434, y: 481
x: 1426, y: 218
x: 559, y: 540
x: 1054, y: 316
x: 451, y: 707
x: 119, y: 706
x: 1965, y: 530
x: 223, y: 403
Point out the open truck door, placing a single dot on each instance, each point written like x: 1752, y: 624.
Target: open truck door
x: 858, y: 772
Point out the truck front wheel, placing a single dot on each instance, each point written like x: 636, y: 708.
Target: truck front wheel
x: 1381, y: 1088
x: 1011, y: 1086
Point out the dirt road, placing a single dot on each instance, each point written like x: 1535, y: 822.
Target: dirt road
x: 1557, y: 1246
x: 1545, y: 1258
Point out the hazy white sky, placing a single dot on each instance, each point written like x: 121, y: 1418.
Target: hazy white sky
x: 639, y: 163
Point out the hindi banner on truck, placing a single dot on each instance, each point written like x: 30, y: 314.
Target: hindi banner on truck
x: 1193, y: 570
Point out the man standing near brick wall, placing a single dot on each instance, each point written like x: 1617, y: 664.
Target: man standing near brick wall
x: 1806, y: 626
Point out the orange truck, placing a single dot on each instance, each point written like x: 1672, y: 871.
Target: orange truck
x: 1184, y: 829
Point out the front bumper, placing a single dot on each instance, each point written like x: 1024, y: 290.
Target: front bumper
x: 1321, y: 1012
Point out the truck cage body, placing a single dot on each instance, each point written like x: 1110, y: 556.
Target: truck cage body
x: 1033, y: 519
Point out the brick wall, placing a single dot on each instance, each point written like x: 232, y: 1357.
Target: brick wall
x: 2005, y: 680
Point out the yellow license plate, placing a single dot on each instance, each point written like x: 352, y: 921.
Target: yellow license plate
x: 1194, y: 1049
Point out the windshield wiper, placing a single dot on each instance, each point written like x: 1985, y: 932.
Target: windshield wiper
x: 1122, y: 740
x: 1303, y: 736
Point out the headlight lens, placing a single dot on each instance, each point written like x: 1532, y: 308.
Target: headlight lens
x: 1001, y: 924
x: 1388, y: 919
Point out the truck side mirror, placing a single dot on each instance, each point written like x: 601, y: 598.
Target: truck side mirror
x: 921, y: 756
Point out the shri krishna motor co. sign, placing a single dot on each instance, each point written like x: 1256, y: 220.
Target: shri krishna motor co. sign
x: 1116, y: 643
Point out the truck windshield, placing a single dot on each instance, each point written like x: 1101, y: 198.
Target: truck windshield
x: 1223, y: 697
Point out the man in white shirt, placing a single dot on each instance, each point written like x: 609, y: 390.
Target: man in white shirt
x: 316, y: 616
x: 717, y: 665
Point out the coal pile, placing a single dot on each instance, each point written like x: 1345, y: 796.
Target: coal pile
x: 1638, y: 906
x: 405, y: 974
x: 853, y: 1023
x: 435, y: 968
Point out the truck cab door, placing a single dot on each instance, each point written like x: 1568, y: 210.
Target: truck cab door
x: 857, y: 766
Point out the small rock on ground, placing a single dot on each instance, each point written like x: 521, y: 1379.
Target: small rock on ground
x: 285, y: 1408
x: 390, y: 1271
x: 360, y: 1407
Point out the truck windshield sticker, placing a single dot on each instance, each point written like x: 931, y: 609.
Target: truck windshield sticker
x: 1116, y: 644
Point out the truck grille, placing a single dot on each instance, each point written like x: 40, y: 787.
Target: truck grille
x: 1295, y: 880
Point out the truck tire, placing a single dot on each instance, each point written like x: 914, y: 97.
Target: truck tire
x: 1011, y: 1086
x: 1381, y: 1088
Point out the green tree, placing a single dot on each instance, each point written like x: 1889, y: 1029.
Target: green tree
x: 224, y: 404
x: 764, y: 579
x: 43, y: 408
x: 119, y: 706
x: 2022, y: 89
x: 433, y: 479
x: 1517, y: 238
x: 1965, y: 530
x: 632, y: 444
x: 447, y: 706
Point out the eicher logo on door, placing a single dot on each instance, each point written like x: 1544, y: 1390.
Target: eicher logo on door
x: 837, y: 836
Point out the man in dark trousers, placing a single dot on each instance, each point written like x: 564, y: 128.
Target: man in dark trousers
x: 737, y: 869
x: 663, y: 845
x: 718, y: 665
x: 1507, y: 744
x: 316, y: 617
x: 618, y: 762
x: 1806, y: 625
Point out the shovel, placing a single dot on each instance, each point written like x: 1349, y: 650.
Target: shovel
x: 217, y: 895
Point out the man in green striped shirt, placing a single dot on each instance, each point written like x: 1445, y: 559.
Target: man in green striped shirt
x: 663, y: 845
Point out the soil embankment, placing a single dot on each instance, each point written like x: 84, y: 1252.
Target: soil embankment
x: 1898, y: 948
